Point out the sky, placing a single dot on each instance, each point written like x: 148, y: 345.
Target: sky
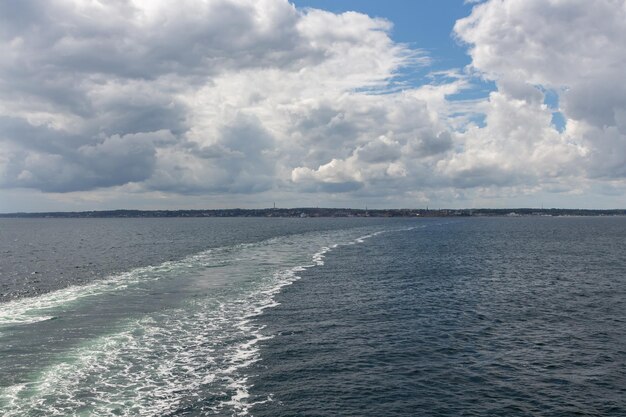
x: 153, y: 104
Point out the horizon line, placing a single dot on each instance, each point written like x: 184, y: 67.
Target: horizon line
x: 270, y: 209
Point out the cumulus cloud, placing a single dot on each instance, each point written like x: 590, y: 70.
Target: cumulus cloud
x: 576, y: 49
x: 113, y: 160
x: 244, y: 97
x: 245, y: 91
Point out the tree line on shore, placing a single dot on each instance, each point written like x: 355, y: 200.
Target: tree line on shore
x: 320, y: 212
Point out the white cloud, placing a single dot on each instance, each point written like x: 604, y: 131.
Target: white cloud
x: 235, y: 97
x: 246, y: 90
x: 575, y: 48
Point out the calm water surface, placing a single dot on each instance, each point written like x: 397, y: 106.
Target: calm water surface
x: 283, y: 317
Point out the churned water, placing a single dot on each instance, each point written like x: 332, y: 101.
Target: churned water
x: 271, y: 317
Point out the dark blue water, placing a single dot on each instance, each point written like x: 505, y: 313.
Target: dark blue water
x: 282, y: 317
x: 478, y: 317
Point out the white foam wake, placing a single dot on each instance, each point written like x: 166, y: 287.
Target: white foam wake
x: 169, y: 360
x: 44, y: 307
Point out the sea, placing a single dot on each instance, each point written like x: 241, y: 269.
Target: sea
x: 494, y: 316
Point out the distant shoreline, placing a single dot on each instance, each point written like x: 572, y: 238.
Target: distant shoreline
x: 319, y: 212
